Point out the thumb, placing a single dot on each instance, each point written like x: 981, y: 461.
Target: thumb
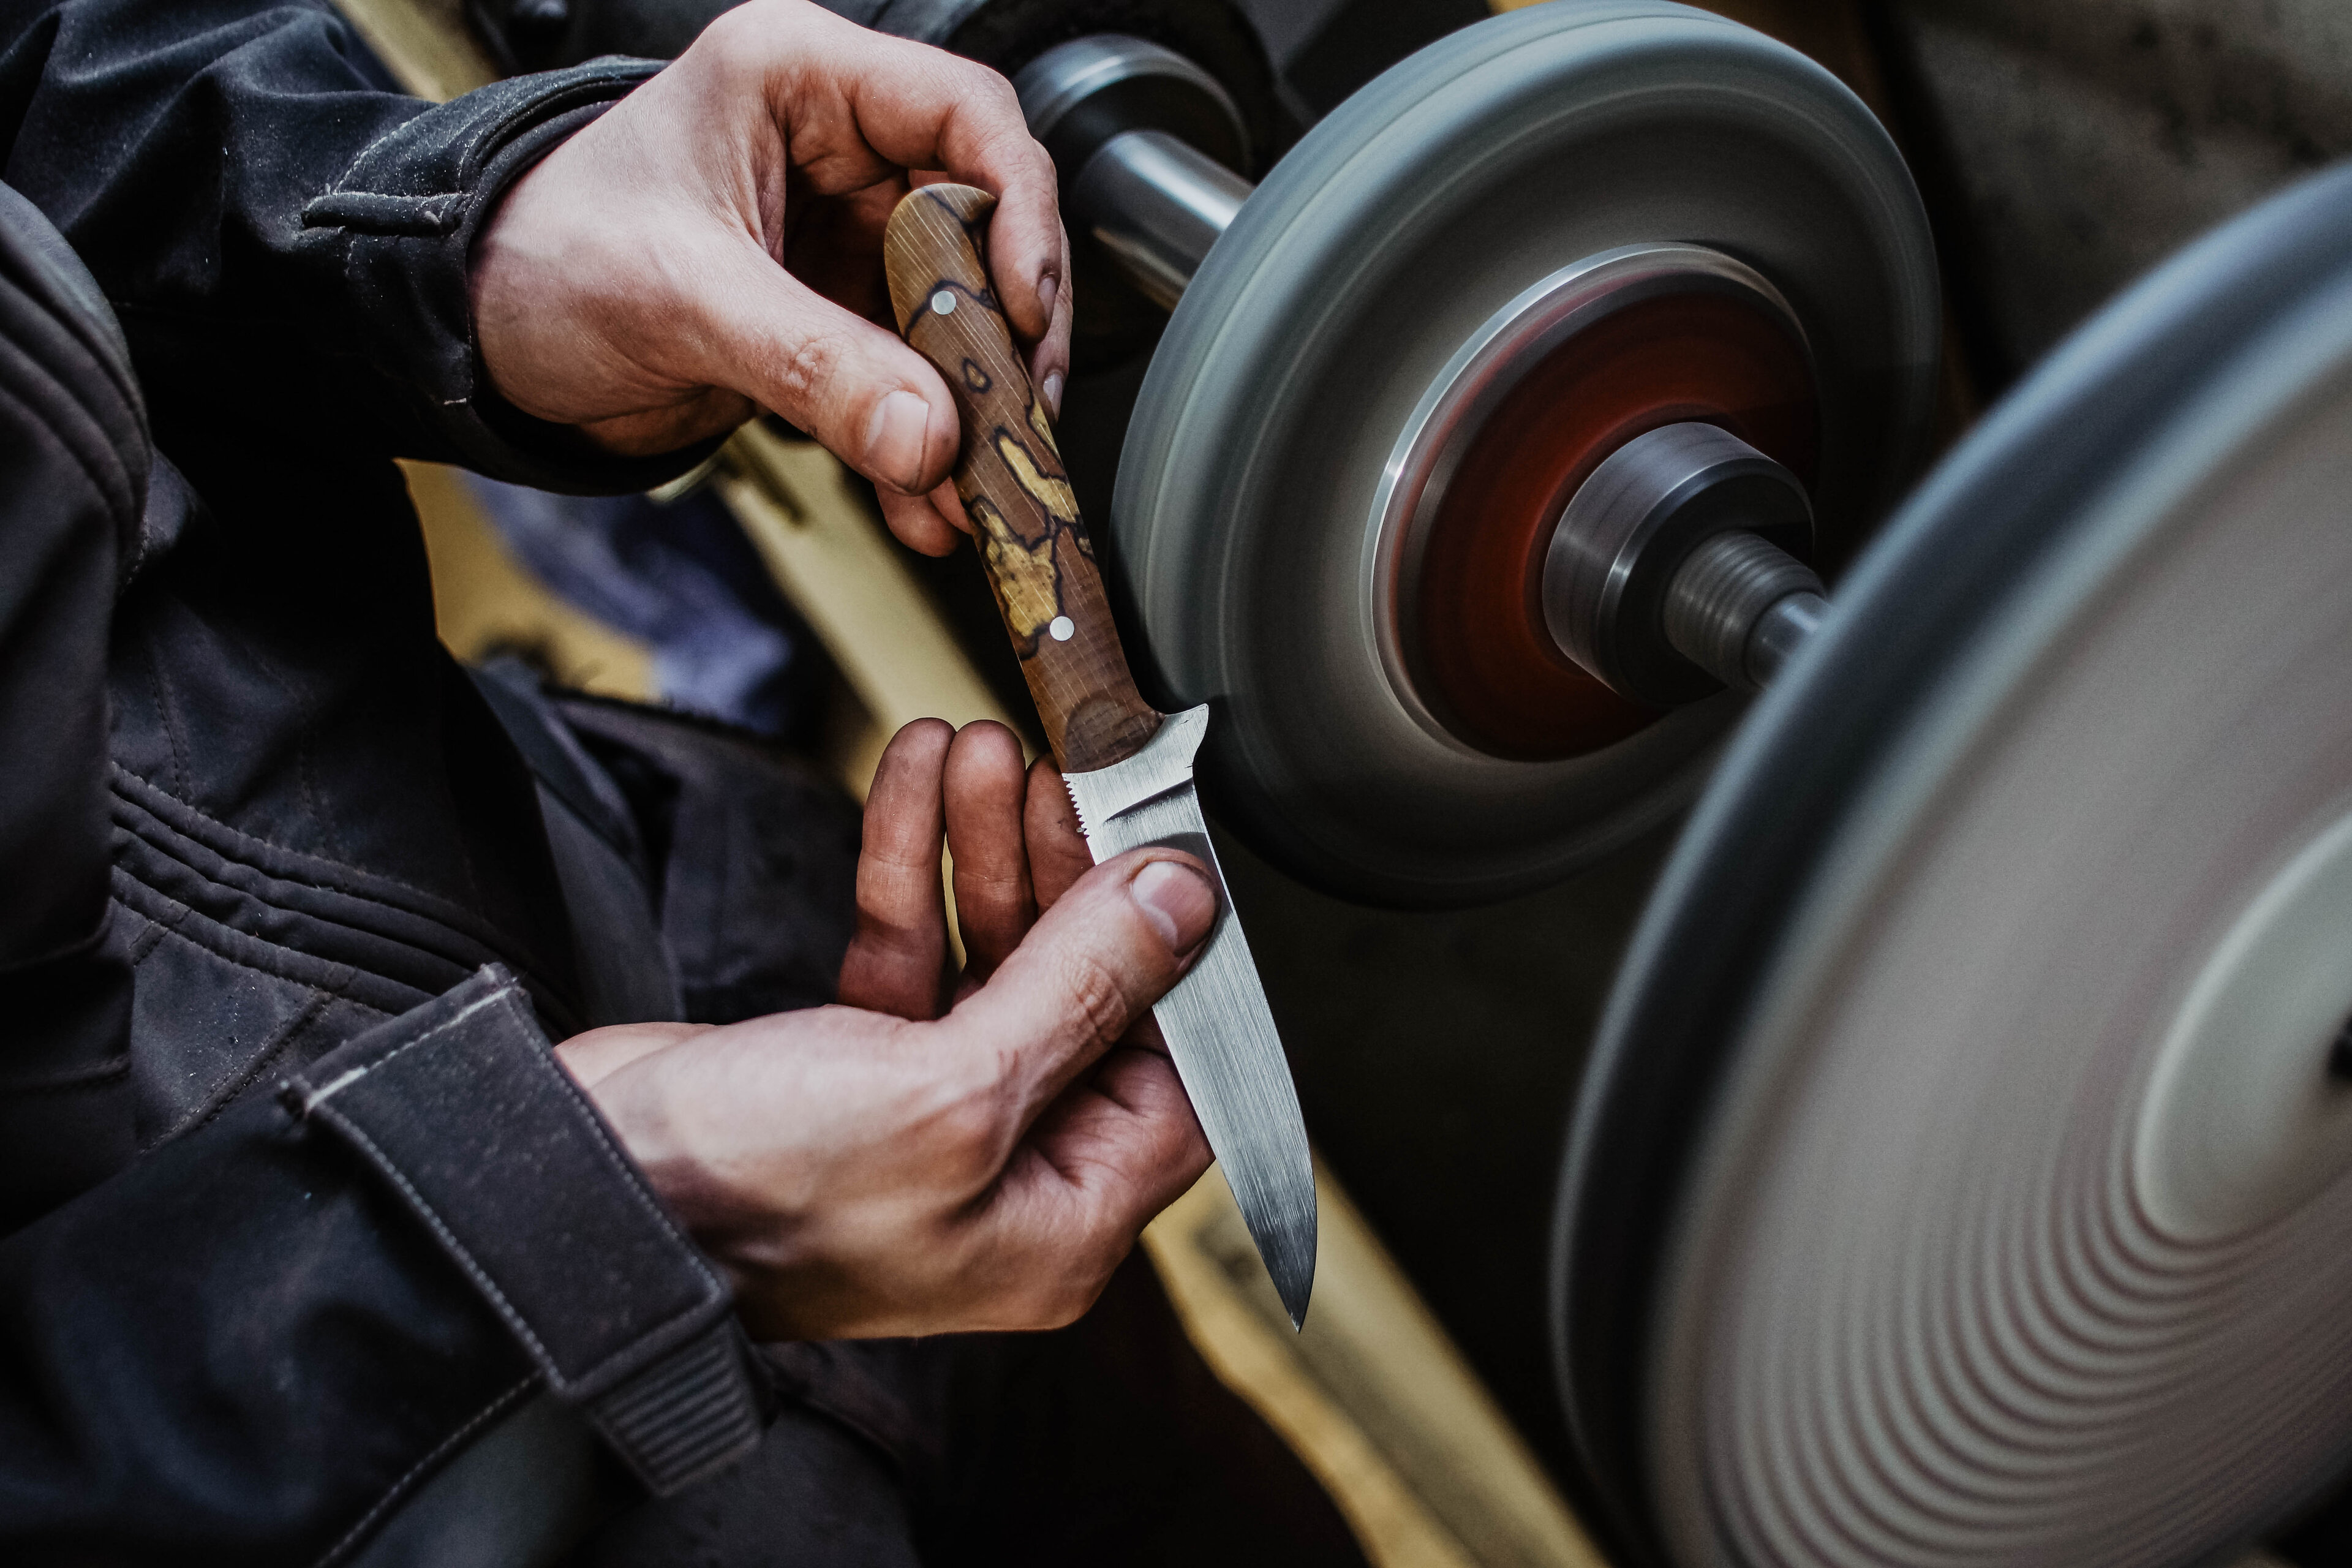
x: 862, y: 393
x: 1086, y: 971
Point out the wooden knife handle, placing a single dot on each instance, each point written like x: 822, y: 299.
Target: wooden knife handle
x: 1013, y: 484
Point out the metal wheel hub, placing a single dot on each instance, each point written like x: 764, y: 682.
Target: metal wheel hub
x: 1601, y: 351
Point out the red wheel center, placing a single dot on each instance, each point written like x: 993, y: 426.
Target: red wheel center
x: 1480, y: 642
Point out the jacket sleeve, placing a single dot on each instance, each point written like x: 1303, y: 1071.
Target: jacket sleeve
x: 284, y: 237
x: 262, y: 1342
x: 259, y: 1342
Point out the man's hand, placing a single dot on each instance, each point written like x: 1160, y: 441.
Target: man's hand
x: 712, y: 246
x: 874, y: 1168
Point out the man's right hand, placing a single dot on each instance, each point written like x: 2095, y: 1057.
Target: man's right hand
x: 871, y: 1169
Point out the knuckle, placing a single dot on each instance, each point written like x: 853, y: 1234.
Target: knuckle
x: 1096, y: 997
x: 810, y: 365
x: 982, y: 87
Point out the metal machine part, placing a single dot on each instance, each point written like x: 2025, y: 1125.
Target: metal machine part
x: 1626, y: 553
x: 1155, y: 206
x: 1739, y: 606
x: 1151, y: 150
x: 1517, y: 423
x: 1079, y: 96
x: 1396, y: 723
x: 1148, y: 146
x: 1959, y: 1176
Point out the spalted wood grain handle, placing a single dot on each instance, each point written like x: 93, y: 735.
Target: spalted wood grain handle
x: 1011, y: 479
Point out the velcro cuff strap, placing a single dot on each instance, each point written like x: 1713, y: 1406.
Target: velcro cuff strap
x: 463, y: 1109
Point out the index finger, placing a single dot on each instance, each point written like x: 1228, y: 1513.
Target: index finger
x: 1058, y: 856
x: 924, y: 109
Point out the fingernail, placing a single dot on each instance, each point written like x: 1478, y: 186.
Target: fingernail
x: 1047, y: 287
x: 1052, y: 390
x: 894, y: 440
x: 1177, y: 900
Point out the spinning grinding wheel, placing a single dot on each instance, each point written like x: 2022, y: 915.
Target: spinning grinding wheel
x: 1964, y: 1173
x: 1547, y: 235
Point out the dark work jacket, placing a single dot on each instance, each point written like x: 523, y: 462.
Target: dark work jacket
x: 297, y: 1205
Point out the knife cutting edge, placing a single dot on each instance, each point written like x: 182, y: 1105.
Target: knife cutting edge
x: 1128, y: 767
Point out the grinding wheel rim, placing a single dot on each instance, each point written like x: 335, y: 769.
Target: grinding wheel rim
x: 1243, y: 525
x: 2037, y: 1361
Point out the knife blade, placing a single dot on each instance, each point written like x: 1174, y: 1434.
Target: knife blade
x: 1216, y: 1022
x: 1128, y: 766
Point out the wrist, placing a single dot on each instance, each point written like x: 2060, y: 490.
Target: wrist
x: 660, y: 1121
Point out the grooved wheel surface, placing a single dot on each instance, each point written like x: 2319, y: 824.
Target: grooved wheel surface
x: 1241, y: 530
x: 1960, y: 1177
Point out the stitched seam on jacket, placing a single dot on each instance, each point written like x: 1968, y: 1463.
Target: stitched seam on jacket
x: 489, y: 141
x: 342, y: 185
x: 441, y: 906
x: 461, y: 939
x: 151, y: 938
x: 659, y: 1335
x: 166, y: 710
x: 200, y: 934
x: 315, y: 1097
x: 622, y: 1165
x: 458, y: 949
x: 497, y: 133
x: 86, y: 463
x: 67, y: 1082
x: 398, y: 1492
x: 448, y: 1239
x: 223, y: 1094
x: 315, y: 1104
x: 126, y: 890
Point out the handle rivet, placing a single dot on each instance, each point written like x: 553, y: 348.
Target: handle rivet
x: 1063, y: 628
x: 943, y: 302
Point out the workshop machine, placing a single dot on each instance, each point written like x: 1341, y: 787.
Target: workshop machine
x: 1961, y: 1175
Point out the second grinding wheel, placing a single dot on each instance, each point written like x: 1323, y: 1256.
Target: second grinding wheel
x: 1495, y: 265
x: 1963, y: 1174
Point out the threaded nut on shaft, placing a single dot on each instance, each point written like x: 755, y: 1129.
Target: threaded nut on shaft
x: 1740, y: 605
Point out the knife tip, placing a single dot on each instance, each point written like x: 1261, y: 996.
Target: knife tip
x: 1294, y: 1291
x: 1285, y: 1237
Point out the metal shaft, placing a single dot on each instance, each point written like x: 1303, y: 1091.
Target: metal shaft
x: 1156, y: 205
x: 1740, y: 605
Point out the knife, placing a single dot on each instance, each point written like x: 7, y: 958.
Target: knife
x: 1128, y: 767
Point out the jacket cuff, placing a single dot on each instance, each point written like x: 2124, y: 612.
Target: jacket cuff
x: 462, y: 1109
x: 403, y: 218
